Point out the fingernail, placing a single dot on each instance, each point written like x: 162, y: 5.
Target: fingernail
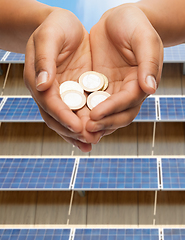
x: 42, y: 78
x: 151, y: 82
x: 82, y: 139
x: 70, y: 129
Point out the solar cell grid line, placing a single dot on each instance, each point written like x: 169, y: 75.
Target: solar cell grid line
x: 2, y: 53
x: 172, y: 108
x: 174, y: 233
x: 15, y: 58
x: 20, y: 109
x: 148, y: 112
x: 116, y: 234
x: 117, y: 174
x: 36, y: 173
x: 35, y: 234
x: 1, y: 102
x: 174, y: 54
x: 172, y: 173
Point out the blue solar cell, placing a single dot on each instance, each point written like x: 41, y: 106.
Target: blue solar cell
x: 175, y: 54
x: 1, y: 98
x: 172, y: 108
x: 20, y: 109
x: 116, y: 173
x: 116, y: 234
x: 36, y: 173
x: 172, y: 173
x: 174, y: 234
x: 35, y: 234
x: 147, y: 111
x: 15, y: 58
x: 2, y: 53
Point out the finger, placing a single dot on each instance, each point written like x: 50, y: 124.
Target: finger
x: 113, y: 122
x: 51, y: 103
x: 84, y: 147
x: 47, y: 49
x: 87, y: 137
x: 148, y: 51
x: 129, y: 96
x: 67, y: 135
x: 58, y: 128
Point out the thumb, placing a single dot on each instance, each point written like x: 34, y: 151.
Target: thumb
x: 149, y: 56
x: 47, y: 49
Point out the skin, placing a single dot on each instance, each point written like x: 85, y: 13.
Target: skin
x: 64, y: 57
x: 67, y: 60
x: 26, y: 16
x: 126, y: 45
x: 126, y: 60
x: 133, y: 53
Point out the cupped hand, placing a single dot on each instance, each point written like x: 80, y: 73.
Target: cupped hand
x: 59, y: 51
x: 127, y: 49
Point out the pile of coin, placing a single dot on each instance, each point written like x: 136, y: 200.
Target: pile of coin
x: 72, y: 93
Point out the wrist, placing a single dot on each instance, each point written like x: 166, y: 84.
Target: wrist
x: 160, y: 14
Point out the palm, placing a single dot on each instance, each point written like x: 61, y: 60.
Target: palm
x: 107, y: 58
x: 70, y: 65
x: 72, y: 58
x: 114, y: 57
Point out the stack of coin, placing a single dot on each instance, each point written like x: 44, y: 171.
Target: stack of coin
x: 96, y: 83
x: 72, y: 93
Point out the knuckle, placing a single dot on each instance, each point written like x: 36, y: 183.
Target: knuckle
x: 43, y: 32
x: 40, y: 62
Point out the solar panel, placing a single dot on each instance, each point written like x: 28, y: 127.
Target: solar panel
x: 117, y: 234
x: 172, y: 109
x: 35, y: 234
x: 2, y: 53
x: 174, y: 234
x: 172, y: 172
x: 117, y: 174
x: 15, y: 58
x: 148, y: 111
x: 1, y: 99
x: 20, y: 109
x: 36, y: 173
x: 175, y: 54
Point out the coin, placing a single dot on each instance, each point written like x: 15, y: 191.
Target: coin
x: 95, y: 98
x: 75, y: 100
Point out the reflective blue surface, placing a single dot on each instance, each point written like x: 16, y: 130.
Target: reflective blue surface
x: 117, y: 173
x: 173, y: 173
x: 117, y: 234
x: 1, y: 100
x: 2, y: 53
x: 20, y: 110
x: 24, y: 109
x: 36, y: 173
x: 174, y: 234
x: 175, y: 54
x: 34, y: 234
x: 147, y: 111
x: 15, y: 58
x: 172, y: 108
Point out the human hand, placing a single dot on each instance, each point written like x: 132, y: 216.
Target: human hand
x: 127, y: 49
x: 58, y: 51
